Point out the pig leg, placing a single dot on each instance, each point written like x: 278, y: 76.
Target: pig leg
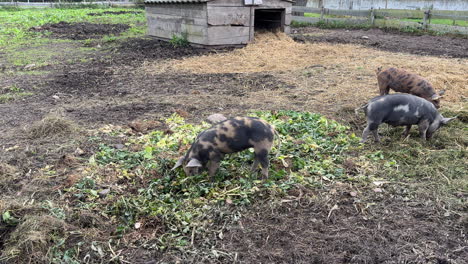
x: 384, y: 88
x: 365, y: 134
x: 371, y: 127
x: 407, y: 130
x: 212, y: 168
x: 423, y: 126
x: 262, y: 157
x: 255, y: 164
x: 213, y: 165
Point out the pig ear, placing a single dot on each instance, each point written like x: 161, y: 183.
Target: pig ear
x: 193, y: 163
x: 446, y: 120
x: 179, y: 163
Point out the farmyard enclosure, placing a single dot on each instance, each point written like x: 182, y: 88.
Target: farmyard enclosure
x: 93, y: 115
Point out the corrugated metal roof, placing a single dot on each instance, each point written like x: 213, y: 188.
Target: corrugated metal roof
x: 174, y: 1
x: 184, y: 1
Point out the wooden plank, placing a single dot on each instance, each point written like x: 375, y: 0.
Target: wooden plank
x: 238, y: 3
x: 305, y: 19
x: 178, y: 10
x: 287, y: 19
x: 167, y: 29
x: 176, y: 19
x: 228, y: 16
x: 226, y: 35
x: 275, y: 4
x: 452, y: 17
x: 399, y: 14
x: 304, y: 9
x: 347, y: 21
x: 175, y: 26
x: 357, y: 13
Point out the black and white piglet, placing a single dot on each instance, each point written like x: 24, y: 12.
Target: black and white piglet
x: 402, y: 110
x: 229, y: 136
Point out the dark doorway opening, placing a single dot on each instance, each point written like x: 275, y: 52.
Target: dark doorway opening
x: 269, y: 19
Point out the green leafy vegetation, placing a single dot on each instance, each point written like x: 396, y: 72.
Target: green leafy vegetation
x: 179, y: 41
x: 130, y: 189
x: 12, y: 93
x: 310, y: 151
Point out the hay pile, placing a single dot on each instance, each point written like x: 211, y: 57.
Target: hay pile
x: 51, y: 125
x: 32, y: 240
x: 338, y: 69
x: 269, y: 52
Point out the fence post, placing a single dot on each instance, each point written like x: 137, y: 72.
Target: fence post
x: 427, y: 16
x: 322, y: 11
x: 372, y: 16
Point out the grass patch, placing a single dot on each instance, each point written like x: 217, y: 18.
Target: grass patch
x: 299, y: 24
x: 15, y: 32
x: 440, y: 21
x: 341, y: 24
x: 22, y: 46
x: 13, y: 96
x: 435, y: 168
x: 12, y: 93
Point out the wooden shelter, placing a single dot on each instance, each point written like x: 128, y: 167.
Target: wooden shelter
x: 216, y: 22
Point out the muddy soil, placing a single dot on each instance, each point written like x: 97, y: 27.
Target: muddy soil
x: 81, y: 31
x: 455, y: 47
x: 335, y: 227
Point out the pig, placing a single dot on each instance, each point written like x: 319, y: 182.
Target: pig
x: 404, y: 82
x: 229, y: 136
x: 402, y: 110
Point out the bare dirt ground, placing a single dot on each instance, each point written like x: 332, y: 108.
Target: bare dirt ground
x: 396, y: 42
x: 109, y: 87
x: 80, y: 31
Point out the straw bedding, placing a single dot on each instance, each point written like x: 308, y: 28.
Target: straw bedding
x: 342, y: 69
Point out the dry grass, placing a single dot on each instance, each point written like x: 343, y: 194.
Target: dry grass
x: 6, y: 170
x: 51, y: 125
x: 31, y: 240
x: 8, y: 175
x: 335, y: 70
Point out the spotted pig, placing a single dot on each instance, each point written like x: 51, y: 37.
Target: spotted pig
x: 402, y: 81
x: 229, y: 136
x: 402, y: 110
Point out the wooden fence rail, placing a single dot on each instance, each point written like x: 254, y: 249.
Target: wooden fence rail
x: 382, y: 18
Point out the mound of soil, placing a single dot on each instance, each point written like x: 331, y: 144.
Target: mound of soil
x: 455, y: 47
x: 114, y: 13
x: 80, y: 31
